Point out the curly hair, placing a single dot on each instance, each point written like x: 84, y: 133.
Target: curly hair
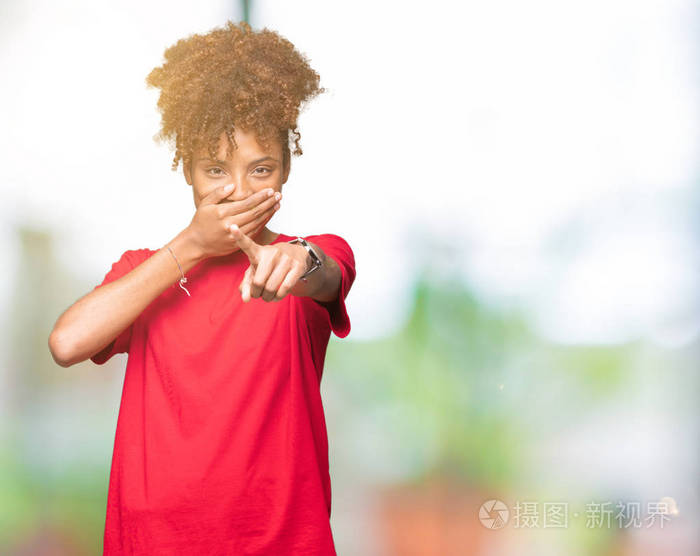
x: 231, y: 76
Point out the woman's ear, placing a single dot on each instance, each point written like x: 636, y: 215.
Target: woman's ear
x: 285, y: 171
x: 187, y: 171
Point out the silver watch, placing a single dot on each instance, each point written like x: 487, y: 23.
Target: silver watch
x: 316, y: 261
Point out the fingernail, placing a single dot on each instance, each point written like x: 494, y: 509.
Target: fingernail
x: 229, y: 187
x: 234, y: 227
x: 277, y: 196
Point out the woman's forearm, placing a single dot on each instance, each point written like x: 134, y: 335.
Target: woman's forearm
x: 98, y: 317
x: 323, y: 283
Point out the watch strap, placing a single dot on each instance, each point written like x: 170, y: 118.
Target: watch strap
x: 316, y: 261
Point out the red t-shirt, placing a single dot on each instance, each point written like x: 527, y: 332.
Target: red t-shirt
x: 221, y: 444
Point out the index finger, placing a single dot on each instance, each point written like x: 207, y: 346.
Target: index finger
x: 247, y: 245
x: 234, y: 207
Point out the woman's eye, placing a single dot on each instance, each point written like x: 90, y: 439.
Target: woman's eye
x: 215, y: 170
x: 264, y: 170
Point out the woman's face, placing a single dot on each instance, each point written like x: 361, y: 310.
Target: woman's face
x: 249, y: 166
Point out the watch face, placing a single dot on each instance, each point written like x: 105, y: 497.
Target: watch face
x: 314, y: 256
x: 316, y: 260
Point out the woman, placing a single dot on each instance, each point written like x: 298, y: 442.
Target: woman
x: 221, y: 443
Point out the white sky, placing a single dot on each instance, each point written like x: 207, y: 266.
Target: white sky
x: 553, y: 144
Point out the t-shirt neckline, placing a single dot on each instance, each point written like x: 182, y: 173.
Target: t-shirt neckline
x: 279, y: 238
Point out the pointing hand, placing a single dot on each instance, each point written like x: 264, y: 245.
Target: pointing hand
x: 274, y: 269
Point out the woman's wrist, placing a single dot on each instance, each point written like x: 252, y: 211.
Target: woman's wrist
x: 186, y: 249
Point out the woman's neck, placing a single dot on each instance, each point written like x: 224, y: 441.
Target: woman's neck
x: 265, y: 236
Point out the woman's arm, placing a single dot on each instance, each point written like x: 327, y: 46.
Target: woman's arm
x: 98, y: 317
x: 275, y: 271
x: 323, y: 283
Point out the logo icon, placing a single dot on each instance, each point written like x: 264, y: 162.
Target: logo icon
x: 493, y: 514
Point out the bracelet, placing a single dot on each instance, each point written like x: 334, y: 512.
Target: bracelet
x: 183, y: 279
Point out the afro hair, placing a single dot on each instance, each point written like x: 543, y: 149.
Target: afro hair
x: 231, y: 76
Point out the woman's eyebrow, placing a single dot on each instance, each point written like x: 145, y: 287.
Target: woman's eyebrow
x: 223, y: 162
x: 263, y: 159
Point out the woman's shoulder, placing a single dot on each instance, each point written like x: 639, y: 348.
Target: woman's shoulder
x: 329, y: 240
x: 142, y: 252
x: 326, y: 237
x: 136, y: 256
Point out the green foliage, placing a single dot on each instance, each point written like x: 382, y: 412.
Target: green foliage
x: 65, y: 511
x: 466, y: 386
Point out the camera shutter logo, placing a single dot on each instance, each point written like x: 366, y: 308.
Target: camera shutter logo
x: 493, y: 514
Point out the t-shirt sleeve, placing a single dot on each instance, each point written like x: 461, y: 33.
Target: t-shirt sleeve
x: 340, y: 251
x: 128, y: 261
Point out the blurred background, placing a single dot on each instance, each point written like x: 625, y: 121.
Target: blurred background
x: 519, y: 184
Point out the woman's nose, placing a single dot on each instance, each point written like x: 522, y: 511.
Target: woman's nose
x: 240, y: 192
